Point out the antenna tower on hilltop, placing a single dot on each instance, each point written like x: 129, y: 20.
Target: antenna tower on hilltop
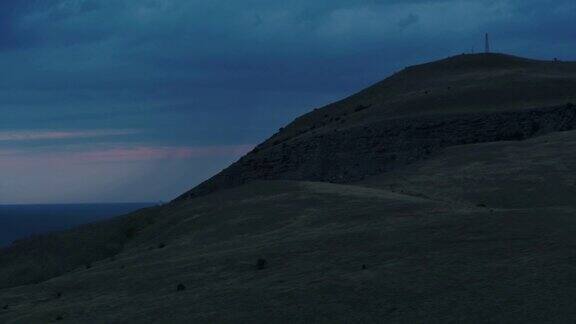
x: 487, y: 44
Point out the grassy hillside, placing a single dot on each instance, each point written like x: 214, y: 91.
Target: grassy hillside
x: 469, y: 83
x: 538, y: 172
x: 333, y: 253
x: 479, y: 232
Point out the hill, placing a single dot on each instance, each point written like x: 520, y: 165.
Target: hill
x: 472, y: 222
x: 411, y: 115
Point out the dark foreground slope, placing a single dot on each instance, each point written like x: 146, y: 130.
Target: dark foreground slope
x: 411, y: 115
x: 455, y: 252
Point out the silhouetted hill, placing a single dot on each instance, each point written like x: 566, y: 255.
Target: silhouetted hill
x: 411, y: 115
x: 458, y: 207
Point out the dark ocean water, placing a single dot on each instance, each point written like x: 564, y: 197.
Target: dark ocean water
x: 20, y: 221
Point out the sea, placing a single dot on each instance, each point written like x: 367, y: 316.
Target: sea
x: 21, y: 221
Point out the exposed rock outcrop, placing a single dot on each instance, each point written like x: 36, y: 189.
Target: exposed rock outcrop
x: 357, y: 152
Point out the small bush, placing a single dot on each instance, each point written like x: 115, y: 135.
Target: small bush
x: 130, y: 232
x: 361, y: 107
x: 261, y: 264
x: 180, y: 287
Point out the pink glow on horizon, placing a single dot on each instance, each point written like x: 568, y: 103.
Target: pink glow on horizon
x: 10, y: 136
x: 117, y: 172
x: 156, y: 153
x: 122, y: 154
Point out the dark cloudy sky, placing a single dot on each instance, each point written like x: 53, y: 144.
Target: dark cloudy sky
x: 138, y: 100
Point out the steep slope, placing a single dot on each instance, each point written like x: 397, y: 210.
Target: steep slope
x: 410, y: 115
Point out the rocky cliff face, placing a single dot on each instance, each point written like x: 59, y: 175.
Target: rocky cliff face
x: 411, y: 115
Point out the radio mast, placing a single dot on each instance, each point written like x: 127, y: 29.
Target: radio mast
x: 487, y: 44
